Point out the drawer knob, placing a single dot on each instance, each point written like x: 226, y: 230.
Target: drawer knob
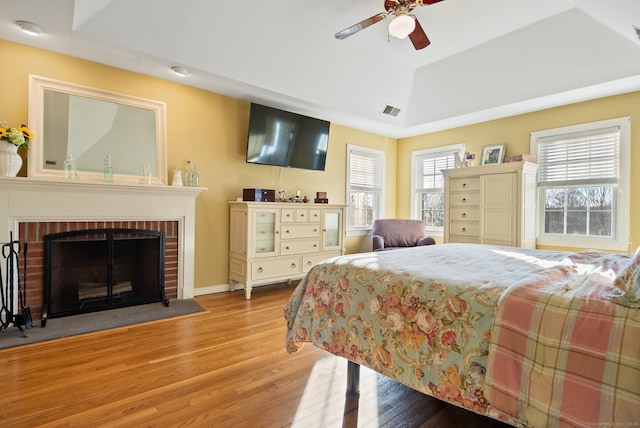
x: 309, y: 263
x: 464, y: 200
x: 260, y: 269
x: 293, y: 265
x: 315, y: 245
x: 464, y: 229
x: 286, y: 231
x: 464, y: 214
x: 464, y: 185
x: 286, y: 248
x: 301, y: 215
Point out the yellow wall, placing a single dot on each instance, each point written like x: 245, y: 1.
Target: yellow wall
x: 206, y: 128
x: 515, y: 132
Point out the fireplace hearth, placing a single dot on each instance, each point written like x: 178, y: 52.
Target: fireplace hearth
x: 99, y: 269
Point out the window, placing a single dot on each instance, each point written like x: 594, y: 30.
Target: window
x: 365, y: 184
x: 427, y: 184
x: 583, y: 184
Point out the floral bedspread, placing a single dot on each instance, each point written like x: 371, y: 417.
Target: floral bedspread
x: 422, y: 315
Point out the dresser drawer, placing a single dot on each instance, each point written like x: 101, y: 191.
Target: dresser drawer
x: 458, y: 239
x: 310, y: 261
x: 464, y: 213
x: 302, y: 215
x: 288, y: 247
x: 291, y: 231
x: 464, y: 199
x: 314, y: 215
x: 287, y: 215
x: 462, y: 184
x: 273, y: 268
x: 464, y: 228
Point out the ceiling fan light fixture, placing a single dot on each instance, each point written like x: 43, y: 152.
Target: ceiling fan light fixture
x: 180, y: 71
x: 29, y: 28
x: 402, y: 26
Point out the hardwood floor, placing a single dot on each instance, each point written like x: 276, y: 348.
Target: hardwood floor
x: 225, y: 367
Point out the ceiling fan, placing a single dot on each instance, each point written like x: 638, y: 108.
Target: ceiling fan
x: 404, y: 24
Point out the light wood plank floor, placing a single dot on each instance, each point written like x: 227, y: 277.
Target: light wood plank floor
x: 225, y: 367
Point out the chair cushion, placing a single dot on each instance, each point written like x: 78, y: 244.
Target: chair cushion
x: 399, y: 232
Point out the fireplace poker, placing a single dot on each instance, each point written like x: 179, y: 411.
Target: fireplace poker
x: 22, y: 288
x: 5, y: 315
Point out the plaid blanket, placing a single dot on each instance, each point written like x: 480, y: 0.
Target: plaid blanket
x: 560, y: 355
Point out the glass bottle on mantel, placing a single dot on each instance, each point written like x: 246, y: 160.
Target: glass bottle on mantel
x: 107, y: 170
x: 187, y: 175
x: 69, y: 167
x: 195, y: 177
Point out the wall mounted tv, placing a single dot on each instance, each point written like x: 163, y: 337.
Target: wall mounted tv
x: 281, y: 138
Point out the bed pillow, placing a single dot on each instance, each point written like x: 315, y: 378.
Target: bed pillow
x: 626, y: 285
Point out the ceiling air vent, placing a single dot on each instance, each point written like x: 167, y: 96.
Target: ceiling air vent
x: 391, y: 110
x: 637, y: 31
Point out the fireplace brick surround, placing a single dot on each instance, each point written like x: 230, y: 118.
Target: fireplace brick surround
x: 31, y: 208
x: 33, y: 234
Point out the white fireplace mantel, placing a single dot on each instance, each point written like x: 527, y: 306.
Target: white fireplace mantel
x: 29, y: 199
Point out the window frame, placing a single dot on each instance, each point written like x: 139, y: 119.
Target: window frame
x: 378, y: 211
x: 416, y: 177
x: 620, y: 239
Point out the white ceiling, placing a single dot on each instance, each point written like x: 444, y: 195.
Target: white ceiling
x: 487, y: 59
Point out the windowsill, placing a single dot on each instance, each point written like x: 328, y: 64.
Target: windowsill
x: 358, y: 232
x: 583, y: 243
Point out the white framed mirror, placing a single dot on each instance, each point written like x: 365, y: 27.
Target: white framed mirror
x: 91, y: 124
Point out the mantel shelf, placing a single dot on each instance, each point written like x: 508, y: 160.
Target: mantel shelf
x: 29, y: 183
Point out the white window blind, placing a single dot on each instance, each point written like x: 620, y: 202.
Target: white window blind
x: 579, y: 159
x: 365, y: 170
x: 431, y: 175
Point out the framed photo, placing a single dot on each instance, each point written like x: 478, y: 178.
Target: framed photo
x: 493, y: 154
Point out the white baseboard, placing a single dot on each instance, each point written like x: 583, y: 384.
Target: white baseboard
x: 199, y: 291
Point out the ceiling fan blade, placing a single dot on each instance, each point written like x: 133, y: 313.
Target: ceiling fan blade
x: 418, y: 37
x: 361, y: 25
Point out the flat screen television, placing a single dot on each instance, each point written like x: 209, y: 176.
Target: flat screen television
x: 282, y: 138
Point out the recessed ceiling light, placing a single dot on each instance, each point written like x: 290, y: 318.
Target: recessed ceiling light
x: 29, y: 28
x: 180, y: 71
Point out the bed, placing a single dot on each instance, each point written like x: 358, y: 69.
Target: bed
x: 533, y: 338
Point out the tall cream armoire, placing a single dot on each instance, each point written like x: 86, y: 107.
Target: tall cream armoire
x: 491, y: 204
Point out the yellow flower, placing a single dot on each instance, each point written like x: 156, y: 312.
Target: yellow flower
x: 26, y: 132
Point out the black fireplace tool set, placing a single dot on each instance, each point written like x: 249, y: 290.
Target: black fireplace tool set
x: 8, y: 281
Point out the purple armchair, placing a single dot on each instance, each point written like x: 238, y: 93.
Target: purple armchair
x: 392, y: 233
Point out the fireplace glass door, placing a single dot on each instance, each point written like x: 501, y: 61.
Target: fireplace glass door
x: 98, y: 269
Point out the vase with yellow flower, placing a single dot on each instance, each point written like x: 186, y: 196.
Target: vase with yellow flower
x: 10, y: 140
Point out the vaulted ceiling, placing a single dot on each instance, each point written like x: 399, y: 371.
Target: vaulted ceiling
x: 487, y: 58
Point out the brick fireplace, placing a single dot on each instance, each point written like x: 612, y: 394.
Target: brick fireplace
x: 33, y: 234
x: 31, y: 208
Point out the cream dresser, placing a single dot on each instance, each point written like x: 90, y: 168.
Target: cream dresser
x: 491, y: 204
x: 274, y: 241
